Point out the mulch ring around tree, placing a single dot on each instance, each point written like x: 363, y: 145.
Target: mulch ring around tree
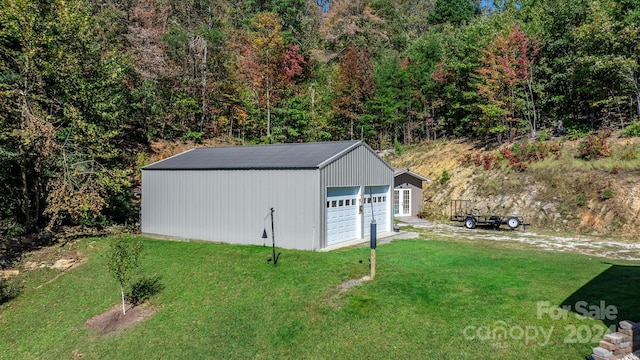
x: 113, y: 321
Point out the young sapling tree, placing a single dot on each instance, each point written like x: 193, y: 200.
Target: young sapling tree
x: 123, y: 257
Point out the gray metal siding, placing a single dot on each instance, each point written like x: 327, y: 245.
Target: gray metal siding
x: 359, y: 167
x: 406, y: 179
x: 415, y: 184
x: 416, y: 200
x: 230, y: 205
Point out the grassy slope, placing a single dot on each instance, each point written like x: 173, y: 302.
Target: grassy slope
x: 225, y: 301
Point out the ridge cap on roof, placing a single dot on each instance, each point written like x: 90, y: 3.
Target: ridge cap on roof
x: 325, y: 152
x: 400, y: 171
x: 355, y: 144
x: 277, y: 144
x: 167, y: 158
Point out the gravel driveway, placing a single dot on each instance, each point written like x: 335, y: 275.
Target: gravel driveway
x: 578, y: 244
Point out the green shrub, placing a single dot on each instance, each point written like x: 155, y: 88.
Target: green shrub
x: 397, y: 146
x: 9, y: 290
x: 578, y: 131
x: 631, y: 130
x: 10, y: 228
x: 544, y: 135
x: 607, y: 194
x: 444, y: 177
x: 195, y: 136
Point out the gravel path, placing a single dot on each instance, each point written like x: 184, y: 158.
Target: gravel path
x: 582, y: 245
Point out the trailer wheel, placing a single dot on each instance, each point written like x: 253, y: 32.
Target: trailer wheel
x: 470, y: 223
x: 513, y: 223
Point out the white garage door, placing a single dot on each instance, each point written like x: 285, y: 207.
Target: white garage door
x: 342, y: 214
x: 376, y: 199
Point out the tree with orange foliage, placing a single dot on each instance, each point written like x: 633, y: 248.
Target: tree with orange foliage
x: 267, y: 44
x: 268, y: 66
x: 354, y: 85
x: 506, y: 83
x: 352, y: 23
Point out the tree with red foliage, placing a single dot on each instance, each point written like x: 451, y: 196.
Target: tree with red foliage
x: 269, y: 67
x: 293, y: 65
x: 354, y: 85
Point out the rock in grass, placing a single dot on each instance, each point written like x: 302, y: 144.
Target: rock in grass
x: 617, y: 338
x: 602, y: 352
x: 63, y: 264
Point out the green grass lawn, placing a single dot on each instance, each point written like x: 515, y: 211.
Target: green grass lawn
x: 429, y: 300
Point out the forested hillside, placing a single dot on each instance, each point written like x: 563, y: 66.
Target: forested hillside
x: 87, y: 86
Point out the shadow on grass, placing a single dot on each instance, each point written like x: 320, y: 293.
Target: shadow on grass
x: 143, y: 289
x: 611, y: 296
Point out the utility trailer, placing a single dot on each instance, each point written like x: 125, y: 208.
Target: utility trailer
x: 460, y: 211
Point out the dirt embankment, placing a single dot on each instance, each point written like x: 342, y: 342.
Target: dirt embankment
x: 564, y: 195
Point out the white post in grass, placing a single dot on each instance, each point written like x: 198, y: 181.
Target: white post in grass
x: 124, y: 310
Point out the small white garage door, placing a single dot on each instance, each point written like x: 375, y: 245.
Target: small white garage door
x: 342, y: 214
x: 376, y: 200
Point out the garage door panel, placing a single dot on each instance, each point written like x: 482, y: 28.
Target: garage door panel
x: 342, y: 214
x: 376, y: 207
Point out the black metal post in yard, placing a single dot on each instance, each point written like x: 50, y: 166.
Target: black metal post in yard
x: 372, y: 236
x: 273, y: 237
x: 373, y: 240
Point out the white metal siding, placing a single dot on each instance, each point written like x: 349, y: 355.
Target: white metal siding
x: 359, y: 167
x: 230, y: 205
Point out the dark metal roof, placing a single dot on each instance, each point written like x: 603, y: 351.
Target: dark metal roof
x: 277, y: 156
x: 398, y: 172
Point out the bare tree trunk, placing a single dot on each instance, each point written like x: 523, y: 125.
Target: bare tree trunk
x: 268, y: 86
x: 204, y: 86
x: 351, y: 128
x: 636, y: 88
x: 638, y: 103
x: 124, y: 310
x: 313, y: 100
x: 534, y: 115
x: 26, y: 206
x: 268, y: 115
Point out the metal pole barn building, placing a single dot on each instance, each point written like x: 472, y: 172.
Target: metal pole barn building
x: 324, y: 194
